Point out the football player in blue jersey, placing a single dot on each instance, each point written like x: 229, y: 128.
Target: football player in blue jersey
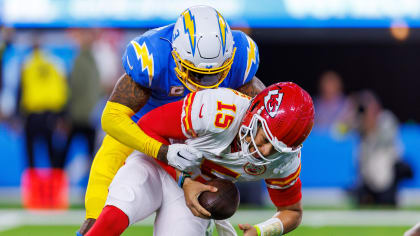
x: 199, y: 51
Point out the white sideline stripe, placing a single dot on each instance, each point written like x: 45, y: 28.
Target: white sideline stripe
x: 9, y: 220
x: 15, y: 218
x: 407, y: 197
x: 338, y: 217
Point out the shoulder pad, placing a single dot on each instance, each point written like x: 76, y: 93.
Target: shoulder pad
x: 139, y: 61
x: 247, y: 58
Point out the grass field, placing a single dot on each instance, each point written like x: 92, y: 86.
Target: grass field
x: 325, y: 222
x: 148, y: 230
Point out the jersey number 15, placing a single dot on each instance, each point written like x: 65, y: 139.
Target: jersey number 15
x: 223, y: 120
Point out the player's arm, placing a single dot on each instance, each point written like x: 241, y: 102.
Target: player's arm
x: 285, y: 220
x: 290, y: 216
x: 286, y: 195
x: 192, y: 189
x: 164, y: 123
x: 126, y: 99
x: 252, y: 88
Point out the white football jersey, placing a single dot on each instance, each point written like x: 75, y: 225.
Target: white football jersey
x: 211, y: 120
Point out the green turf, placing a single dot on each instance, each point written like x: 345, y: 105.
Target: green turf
x: 148, y: 230
x: 359, y: 231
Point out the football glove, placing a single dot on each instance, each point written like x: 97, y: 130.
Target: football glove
x: 184, y: 157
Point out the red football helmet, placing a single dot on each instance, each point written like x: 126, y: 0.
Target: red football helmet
x: 285, y: 112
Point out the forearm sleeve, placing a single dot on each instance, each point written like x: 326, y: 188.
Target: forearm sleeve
x: 110, y: 157
x: 116, y: 121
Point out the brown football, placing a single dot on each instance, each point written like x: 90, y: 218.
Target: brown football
x: 223, y: 203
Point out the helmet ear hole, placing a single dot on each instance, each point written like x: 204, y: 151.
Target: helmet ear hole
x: 256, y: 127
x: 254, y: 106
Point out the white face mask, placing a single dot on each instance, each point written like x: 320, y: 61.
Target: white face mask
x: 256, y: 157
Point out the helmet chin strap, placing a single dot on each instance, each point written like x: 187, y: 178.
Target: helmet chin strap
x: 191, y: 87
x: 167, y: 40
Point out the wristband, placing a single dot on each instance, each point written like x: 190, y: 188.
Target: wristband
x: 271, y: 227
x: 182, y: 178
x: 258, y: 230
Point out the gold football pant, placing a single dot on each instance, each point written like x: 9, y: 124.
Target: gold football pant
x: 108, y: 160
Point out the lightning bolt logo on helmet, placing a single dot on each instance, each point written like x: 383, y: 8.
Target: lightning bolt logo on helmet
x: 199, y: 35
x: 189, y: 28
x: 146, y: 59
x: 223, y: 30
x: 272, y: 102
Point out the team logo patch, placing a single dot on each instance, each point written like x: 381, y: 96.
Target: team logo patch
x: 176, y: 91
x: 252, y: 169
x: 272, y: 102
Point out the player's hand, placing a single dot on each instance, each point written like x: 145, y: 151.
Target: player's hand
x: 86, y: 226
x: 248, y: 229
x: 184, y: 157
x: 192, y: 190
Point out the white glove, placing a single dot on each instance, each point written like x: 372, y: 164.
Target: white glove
x: 184, y: 157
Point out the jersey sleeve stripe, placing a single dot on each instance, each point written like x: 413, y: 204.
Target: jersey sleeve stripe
x: 287, y: 196
x: 187, y: 119
x: 282, y: 186
x: 284, y: 181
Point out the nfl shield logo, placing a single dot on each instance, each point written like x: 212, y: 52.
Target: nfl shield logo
x: 272, y: 102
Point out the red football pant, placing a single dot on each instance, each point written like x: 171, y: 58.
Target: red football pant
x: 111, y: 222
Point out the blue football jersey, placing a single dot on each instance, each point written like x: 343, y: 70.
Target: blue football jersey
x: 148, y: 60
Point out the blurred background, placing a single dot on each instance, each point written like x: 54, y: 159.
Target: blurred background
x: 360, y: 61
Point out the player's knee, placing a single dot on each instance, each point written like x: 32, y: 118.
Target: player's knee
x: 136, y: 201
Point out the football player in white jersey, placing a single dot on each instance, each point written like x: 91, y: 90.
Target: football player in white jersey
x: 199, y: 51
x: 240, y: 139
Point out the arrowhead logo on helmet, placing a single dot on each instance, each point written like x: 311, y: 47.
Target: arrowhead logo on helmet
x: 272, y: 102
